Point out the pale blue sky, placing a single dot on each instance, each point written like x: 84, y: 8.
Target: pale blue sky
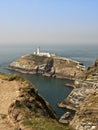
x: 49, y: 21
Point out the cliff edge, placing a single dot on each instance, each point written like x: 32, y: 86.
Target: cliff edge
x: 84, y: 100
x: 23, y: 108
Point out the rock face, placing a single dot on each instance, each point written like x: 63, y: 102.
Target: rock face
x: 23, y: 108
x: 53, y: 66
x: 84, y: 100
x: 86, y: 117
x: 29, y: 102
x: 79, y: 93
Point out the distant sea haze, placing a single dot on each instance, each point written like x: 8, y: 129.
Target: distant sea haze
x: 83, y: 53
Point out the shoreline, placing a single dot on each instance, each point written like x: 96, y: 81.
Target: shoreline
x: 54, y: 66
x: 70, y: 85
x: 23, y: 71
x: 61, y: 105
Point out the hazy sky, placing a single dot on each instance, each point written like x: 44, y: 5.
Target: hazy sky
x: 49, y: 21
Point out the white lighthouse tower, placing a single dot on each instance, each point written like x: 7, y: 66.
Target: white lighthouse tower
x: 38, y: 51
x: 41, y: 53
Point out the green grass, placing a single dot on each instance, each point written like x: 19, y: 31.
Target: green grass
x: 4, y: 76
x: 38, y: 59
x: 11, y: 77
x: 45, y: 124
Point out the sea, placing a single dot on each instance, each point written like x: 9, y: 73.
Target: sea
x: 53, y: 90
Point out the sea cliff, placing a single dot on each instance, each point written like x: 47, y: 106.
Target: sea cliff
x: 83, y: 100
x: 53, y: 66
x: 23, y: 108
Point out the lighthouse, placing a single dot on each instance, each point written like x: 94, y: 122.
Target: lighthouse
x: 41, y: 53
x: 38, y: 51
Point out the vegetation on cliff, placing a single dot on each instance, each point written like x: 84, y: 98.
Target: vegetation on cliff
x: 23, y: 108
x: 91, y: 73
x: 53, y: 66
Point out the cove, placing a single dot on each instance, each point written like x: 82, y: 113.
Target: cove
x: 52, y: 89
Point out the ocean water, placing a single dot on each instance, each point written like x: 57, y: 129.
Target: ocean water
x: 53, y: 90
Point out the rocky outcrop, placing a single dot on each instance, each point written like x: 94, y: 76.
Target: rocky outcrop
x: 23, y: 108
x: 86, y: 117
x: 53, y: 66
x: 66, y: 118
x: 83, y: 99
x: 79, y: 93
x: 29, y: 102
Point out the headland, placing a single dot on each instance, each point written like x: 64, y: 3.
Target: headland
x: 48, y: 65
x: 23, y: 108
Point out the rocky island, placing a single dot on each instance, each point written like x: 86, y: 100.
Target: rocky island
x: 23, y: 108
x: 48, y: 65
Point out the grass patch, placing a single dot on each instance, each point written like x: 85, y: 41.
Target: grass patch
x: 38, y: 59
x: 11, y: 77
x: 7, y: 77
x: 4, y: 76
x: 45, y: 124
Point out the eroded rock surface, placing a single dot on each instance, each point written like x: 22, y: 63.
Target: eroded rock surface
x: 23, y: 108
x: 86, y: 117
x: 84, y: 100
x: 53, y: 66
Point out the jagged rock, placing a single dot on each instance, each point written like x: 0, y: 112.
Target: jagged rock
x: 66, y: 118
x: 84, y: 100
x: 31, y: 99
x: 25, y: 109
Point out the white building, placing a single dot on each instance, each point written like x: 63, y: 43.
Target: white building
x: 42, y: 53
